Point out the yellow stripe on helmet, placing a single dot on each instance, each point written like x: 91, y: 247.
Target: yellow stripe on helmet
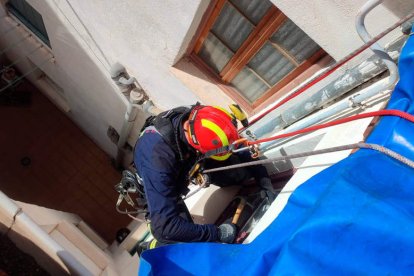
x: 222, y: 136
x: 224, y: 110
x: 221, y: 157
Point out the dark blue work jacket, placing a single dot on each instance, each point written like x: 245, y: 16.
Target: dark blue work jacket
x: 165, y: 180
x: 164, y: 177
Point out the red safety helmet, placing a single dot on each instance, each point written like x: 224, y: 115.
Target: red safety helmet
x: 211, y: 128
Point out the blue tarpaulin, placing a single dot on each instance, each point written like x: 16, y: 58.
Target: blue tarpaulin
x: 356, y: 217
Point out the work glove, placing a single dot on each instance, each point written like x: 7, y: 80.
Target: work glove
x: 267, y: 189
x: 227, y: 232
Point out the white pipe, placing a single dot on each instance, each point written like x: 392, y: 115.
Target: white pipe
x: 149, y: 107
x: 376, y: 48
x: 136, y: 97
x: 125, y: 81
x: 47, y: 243
x: 116, y: 70
x: 344, y: 104
x: 366, y: 93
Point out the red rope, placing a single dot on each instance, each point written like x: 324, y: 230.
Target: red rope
x: 331, y: 69
x: 391, y: 112
x: 310, y: 84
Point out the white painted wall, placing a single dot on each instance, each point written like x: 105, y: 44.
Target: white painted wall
x: 148, y: 37
x: 331, y: 23
x: 89, y: 93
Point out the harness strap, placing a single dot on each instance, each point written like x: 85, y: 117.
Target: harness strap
x: 164, y: 126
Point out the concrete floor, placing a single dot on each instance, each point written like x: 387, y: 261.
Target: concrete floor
x: 68, y: 172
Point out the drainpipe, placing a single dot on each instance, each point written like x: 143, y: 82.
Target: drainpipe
x: 354, y: 100
x: 137, y: 100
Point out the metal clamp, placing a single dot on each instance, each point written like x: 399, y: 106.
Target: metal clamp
x: 254, y: 151
x: 353, y: 103
x: 202, y: 180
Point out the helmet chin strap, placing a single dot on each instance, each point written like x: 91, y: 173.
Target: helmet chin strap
x: 186, y: 125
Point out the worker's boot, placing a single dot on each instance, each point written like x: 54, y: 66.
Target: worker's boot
x: 148, y: 245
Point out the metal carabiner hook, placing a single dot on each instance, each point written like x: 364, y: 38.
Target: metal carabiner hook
x: 254, y: 151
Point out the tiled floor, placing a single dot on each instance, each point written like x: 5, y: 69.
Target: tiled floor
x: 68, y: 172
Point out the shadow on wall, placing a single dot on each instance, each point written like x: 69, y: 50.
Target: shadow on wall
x: 200, y: 83
x: 190, y: 70
x: 399, y: 8
x: 88, y: 87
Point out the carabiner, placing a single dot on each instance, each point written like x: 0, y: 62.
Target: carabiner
x: 254, y: 151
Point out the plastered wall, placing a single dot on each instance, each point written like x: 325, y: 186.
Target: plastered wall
x: 148, y: 38
x: 88, y: 36
x: 331, y: 23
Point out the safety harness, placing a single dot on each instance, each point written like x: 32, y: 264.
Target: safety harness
x: 164, y: 126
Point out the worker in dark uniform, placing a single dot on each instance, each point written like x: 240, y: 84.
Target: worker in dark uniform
x: 163, y: 156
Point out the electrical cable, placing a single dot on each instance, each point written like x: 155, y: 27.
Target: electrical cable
x: 386, y: 112
x: 234, y: 147
x: 20, y: 59
x: 108, y: 65
x: 136, y: 219
x: 25, y: 75
x: 126, y: 212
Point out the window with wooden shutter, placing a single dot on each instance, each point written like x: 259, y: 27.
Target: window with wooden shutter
x: 254, y: 48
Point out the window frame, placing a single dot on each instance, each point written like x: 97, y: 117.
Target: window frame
x: 271, y: 21
x: 21, y: 18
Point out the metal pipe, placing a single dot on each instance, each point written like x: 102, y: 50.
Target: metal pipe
x: 376, y: 48
x: 329, y: 112
x: 367, y: 93
x: 328, y: 71
x: 351, y: 79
